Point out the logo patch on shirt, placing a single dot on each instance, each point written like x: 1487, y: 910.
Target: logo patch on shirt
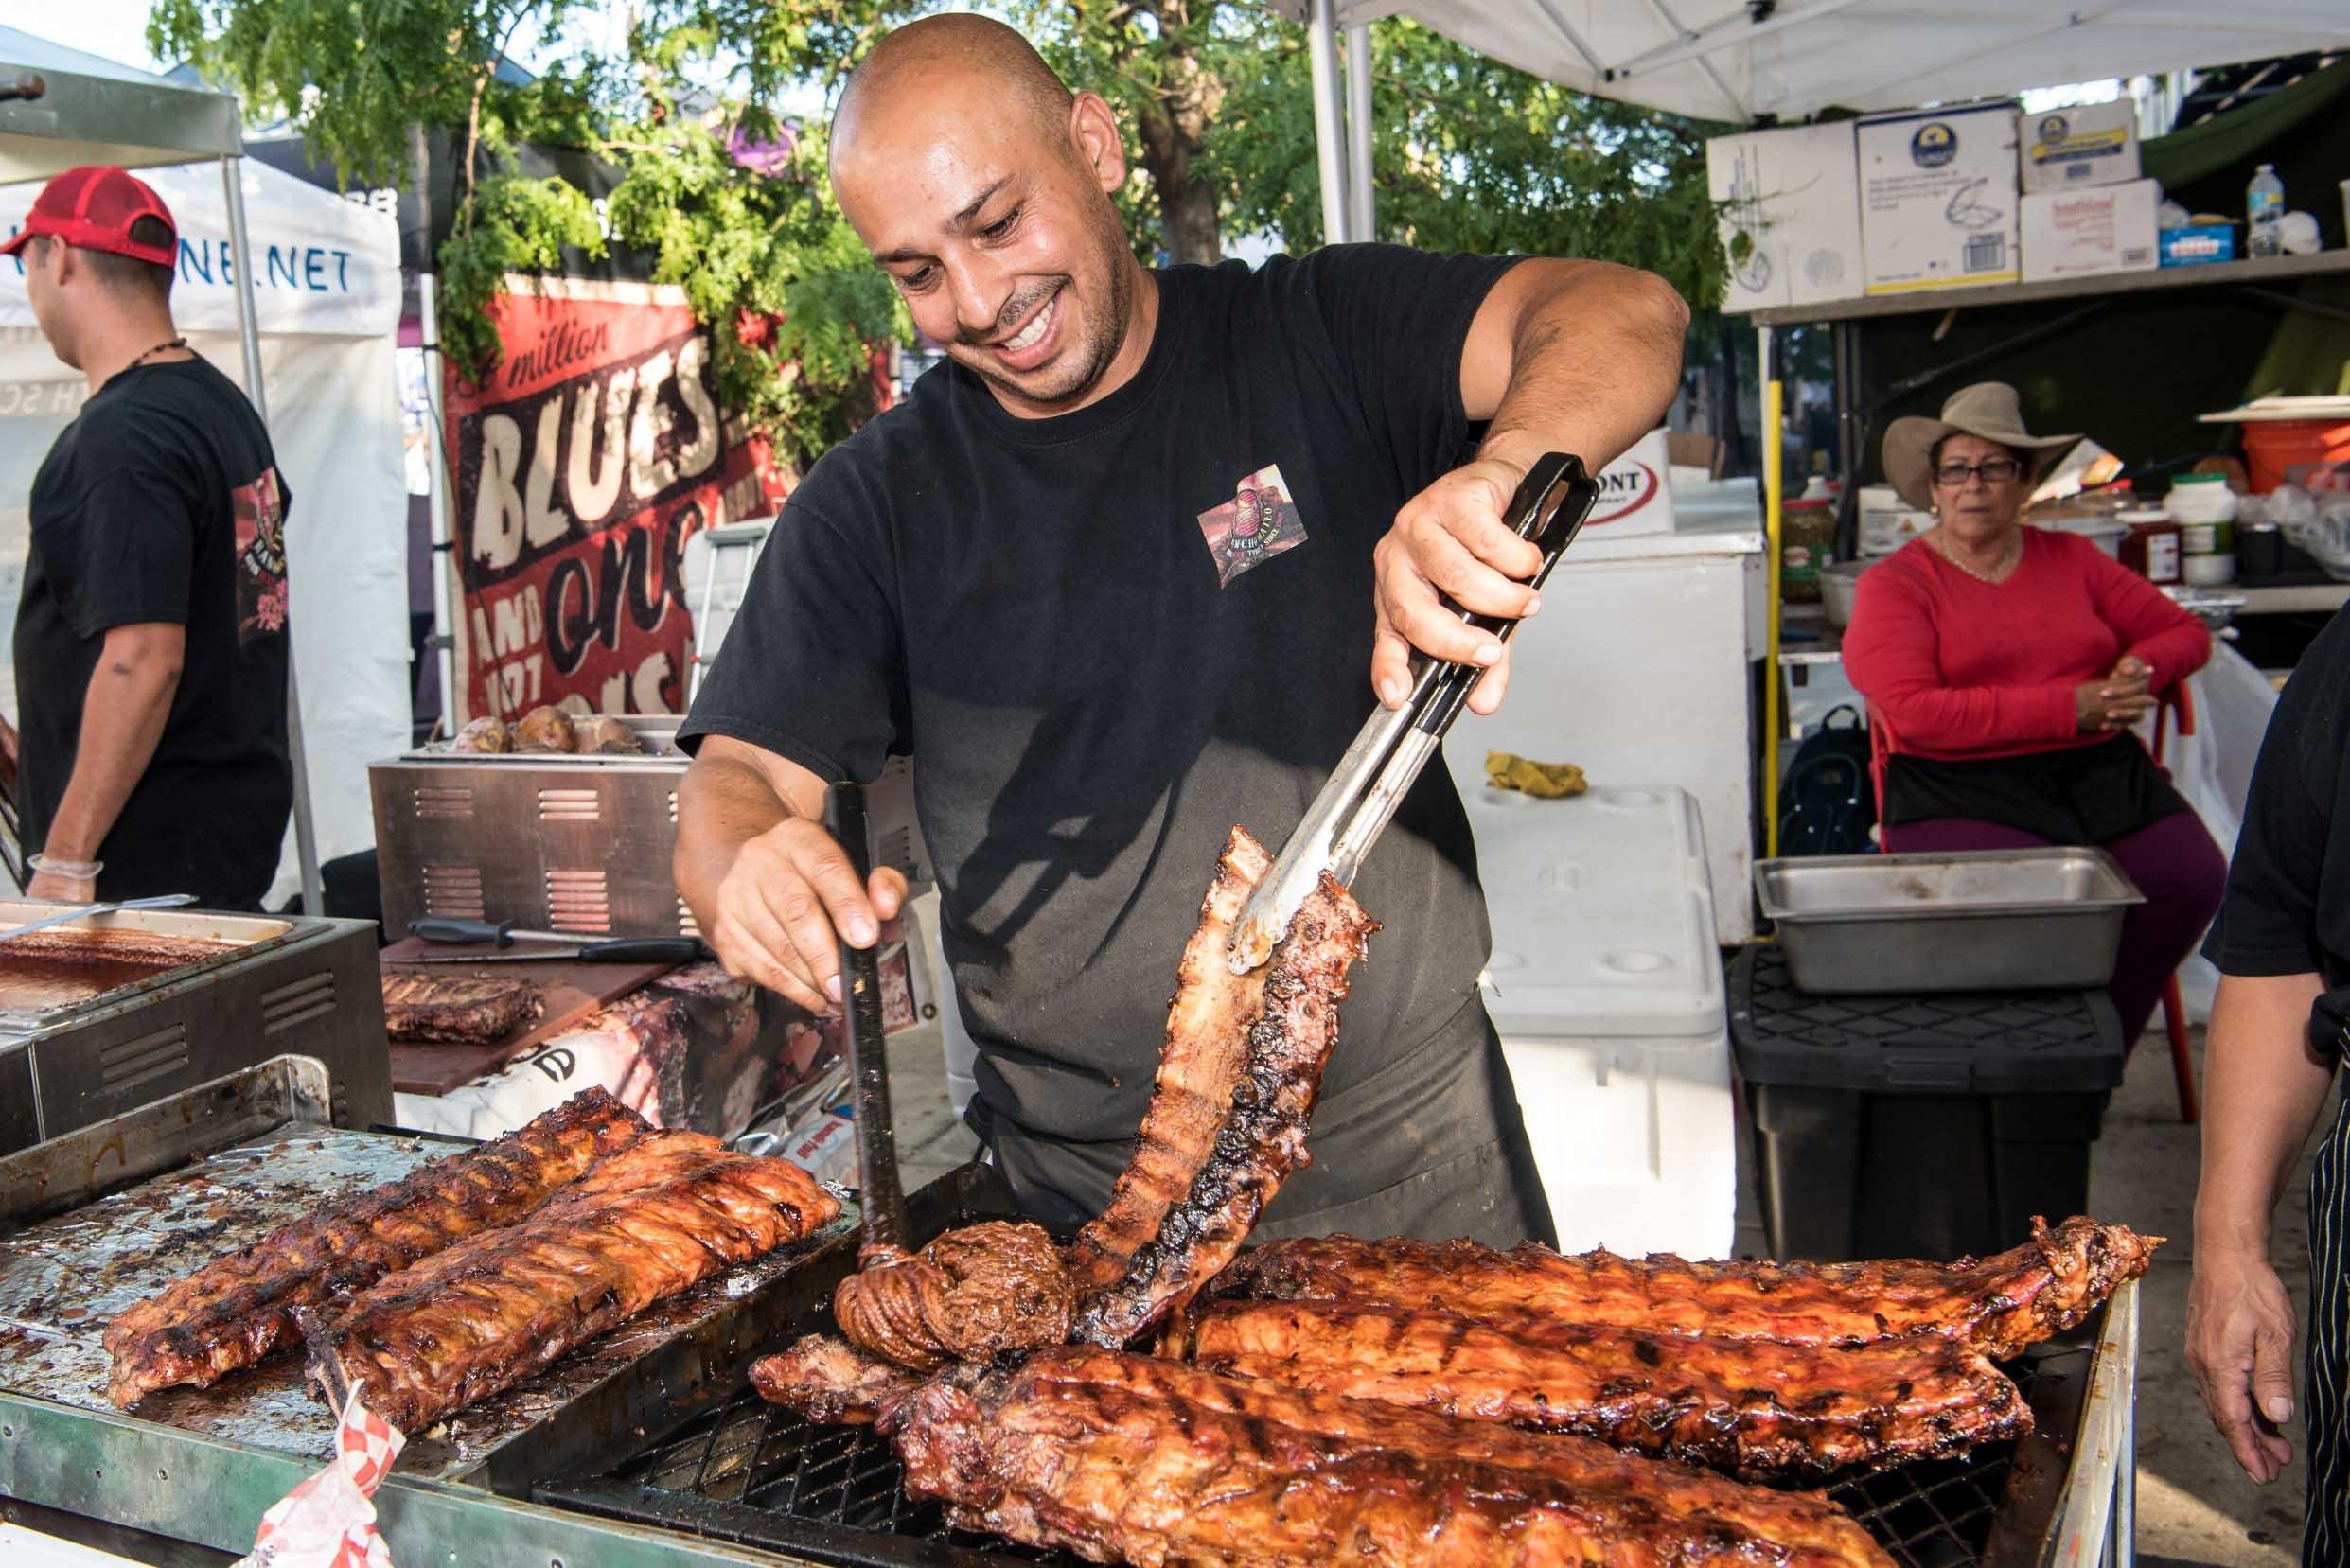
x: 260, y: 557
x: 1258, y: 523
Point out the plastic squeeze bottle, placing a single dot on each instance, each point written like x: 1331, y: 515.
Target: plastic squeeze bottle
x: 2264, y: 208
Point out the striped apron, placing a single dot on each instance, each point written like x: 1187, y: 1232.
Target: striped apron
x: 2325, y: 1410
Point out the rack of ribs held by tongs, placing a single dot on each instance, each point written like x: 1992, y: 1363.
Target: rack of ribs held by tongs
x: 1395, y: 744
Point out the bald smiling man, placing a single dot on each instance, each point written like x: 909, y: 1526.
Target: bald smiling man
x: 1131, y: 568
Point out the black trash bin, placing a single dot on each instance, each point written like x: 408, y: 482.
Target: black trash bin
x: 1927, y: 1126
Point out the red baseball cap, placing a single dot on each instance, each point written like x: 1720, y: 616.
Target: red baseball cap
x: 93, y: 207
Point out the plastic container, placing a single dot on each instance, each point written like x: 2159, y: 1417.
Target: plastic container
x: 1840, y: 587
x: 2151, y: 547
x: 1919, y: 1125
x: 2275, y: 448
x: 1807, y: 542
x: 2105, y: 533
x: 2264, y: 209
x: 2205, y: 507
x: 1605, y: 984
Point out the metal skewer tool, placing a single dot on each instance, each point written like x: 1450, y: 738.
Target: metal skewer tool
x: 1377, y: 770
x: 880, y: 1197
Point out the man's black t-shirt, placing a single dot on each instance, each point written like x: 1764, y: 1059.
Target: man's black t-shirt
x: 2288, y: 905
x: 162, y: 502
x: 1108, y: 636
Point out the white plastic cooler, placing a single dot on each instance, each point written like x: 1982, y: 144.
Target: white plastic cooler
x: 1605, y: 984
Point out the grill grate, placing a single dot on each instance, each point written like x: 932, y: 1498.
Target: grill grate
x: 753, y: 1473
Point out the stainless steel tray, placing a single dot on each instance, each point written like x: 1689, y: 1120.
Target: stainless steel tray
x: 1985, y: 920
x: 242, y: 936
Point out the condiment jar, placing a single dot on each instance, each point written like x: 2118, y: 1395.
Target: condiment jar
x: 2151, y: 548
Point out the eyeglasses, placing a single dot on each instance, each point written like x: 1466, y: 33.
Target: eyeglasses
x: 1993, y: 470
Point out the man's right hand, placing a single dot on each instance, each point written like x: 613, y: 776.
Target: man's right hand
x: 770, y: 891
x: 2240, y: 1343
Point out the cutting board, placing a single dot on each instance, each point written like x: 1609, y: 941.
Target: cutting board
x: 568, y: 992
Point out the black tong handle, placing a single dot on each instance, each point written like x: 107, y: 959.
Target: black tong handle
x: 1549, y: 509
x: 880, y: 1196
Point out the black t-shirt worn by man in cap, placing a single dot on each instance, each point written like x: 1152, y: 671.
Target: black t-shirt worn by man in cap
x: 162, y: 502
x: 1106, y: 638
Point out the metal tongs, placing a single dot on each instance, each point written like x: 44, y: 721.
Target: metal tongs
x: 1377, y: 770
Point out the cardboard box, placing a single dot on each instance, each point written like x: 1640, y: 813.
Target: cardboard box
x: 2197, y: 243
x: 1635, y: 492
x: 1939, y: 198
x: 2067, y: 149
x: 2094, y: 229
x: 1791, y: 222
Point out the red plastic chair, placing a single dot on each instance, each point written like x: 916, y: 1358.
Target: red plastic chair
x: 2173, y: 707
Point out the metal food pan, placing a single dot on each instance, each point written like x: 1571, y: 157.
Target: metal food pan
x: 238, y: 937
x: 1982, y: 919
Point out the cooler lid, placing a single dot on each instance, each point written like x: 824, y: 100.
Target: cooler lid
x: 1603, y: 914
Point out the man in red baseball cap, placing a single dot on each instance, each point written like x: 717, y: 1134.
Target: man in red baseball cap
x: 150, y: 641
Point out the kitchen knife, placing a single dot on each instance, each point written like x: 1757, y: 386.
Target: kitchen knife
x: 1393, y: 746
x: 882, y: 1200
x: 83, y: 911
x: 497, y: 933
x: 617, y: 950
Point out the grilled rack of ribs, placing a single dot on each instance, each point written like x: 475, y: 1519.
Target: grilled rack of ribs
x: 235, y: 1311
x: 1751, y: 1409
x: 1238, y: 1076
x: 654, y: 1219
x: 458, y: 1010
x: 1263, y: 1139
x: 1997, y: 1305
x: 972, y: 1295
x: 1120, y: 1457
x: 1198, y: 1068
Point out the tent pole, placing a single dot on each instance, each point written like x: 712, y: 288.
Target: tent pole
x: 1773, y: 455
x: 444, y: 533
x: 1329, y: 123
x: 249, y: 330
x: 1360, y: 133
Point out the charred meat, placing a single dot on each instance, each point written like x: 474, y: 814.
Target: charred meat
x: 1263, y: 1138
x: 457, y: 1010
x: 232, y: 1312
x: 1997, y: 1305
x: 973, y: 1294
x: 1120, y: 1457
x: 1751, y: 1409
x: 649, y: 1223
x: 1198, y: 1068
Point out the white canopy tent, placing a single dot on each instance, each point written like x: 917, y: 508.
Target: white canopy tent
x: 60, y: 108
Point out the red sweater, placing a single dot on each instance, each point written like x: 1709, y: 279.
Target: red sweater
x: 1962, y: 668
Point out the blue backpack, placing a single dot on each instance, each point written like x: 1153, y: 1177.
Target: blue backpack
x: 1827, y: 805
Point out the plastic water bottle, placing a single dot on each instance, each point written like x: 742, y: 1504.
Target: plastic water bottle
x: 2264, y: 206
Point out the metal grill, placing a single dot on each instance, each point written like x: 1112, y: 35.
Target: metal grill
x: 758, y: 1474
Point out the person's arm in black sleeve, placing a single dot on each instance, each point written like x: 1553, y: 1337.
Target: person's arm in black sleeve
x: 1579, y: 356
x: 138, y: 541
x: 808, y: 689
x: 2264, y: 1086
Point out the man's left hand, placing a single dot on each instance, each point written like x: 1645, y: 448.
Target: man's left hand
x: 62, y: 889
x: 1450, y: 539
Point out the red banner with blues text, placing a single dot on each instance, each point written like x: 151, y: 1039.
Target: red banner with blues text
x: 581, y: 465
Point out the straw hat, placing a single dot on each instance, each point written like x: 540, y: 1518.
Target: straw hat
x: 1987, y: 409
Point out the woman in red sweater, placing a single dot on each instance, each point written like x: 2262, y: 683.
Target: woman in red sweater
x: 2009, y: 663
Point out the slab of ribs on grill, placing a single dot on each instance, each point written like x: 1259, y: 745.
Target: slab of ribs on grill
x: 474, y: 1270
x: 1401, y: 1399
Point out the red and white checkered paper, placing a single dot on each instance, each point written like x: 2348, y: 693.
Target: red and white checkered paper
x: 327, y: 1520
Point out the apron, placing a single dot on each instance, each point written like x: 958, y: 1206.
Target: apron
x: 1434, y: 1146
x: 2325, y: 1539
